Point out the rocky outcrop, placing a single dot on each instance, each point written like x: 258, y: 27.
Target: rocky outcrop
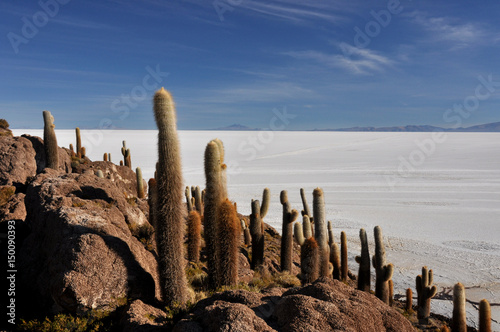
x: 37, y: 144
x: 81, y: 254
x: 325, y: 305
x: 141, y: 317
x: 17, y: 161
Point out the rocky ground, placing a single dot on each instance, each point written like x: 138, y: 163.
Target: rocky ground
x: 86, y: 255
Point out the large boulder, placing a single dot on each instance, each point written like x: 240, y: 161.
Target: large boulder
x: 81, y: 253
x: 325, y: 305
x: 17, y: 161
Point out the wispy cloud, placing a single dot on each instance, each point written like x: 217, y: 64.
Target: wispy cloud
x: 359, y: 61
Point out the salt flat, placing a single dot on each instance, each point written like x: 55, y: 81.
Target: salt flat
x: 437, y: 199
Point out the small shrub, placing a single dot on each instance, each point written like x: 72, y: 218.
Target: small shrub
x: 4, y: 124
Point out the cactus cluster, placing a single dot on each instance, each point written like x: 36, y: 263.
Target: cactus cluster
x: 425, y: 292
x: 257, y: 228
x: 364, y: 279
x: 126, y: 156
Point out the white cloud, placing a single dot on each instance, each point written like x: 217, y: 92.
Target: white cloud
x: 356, y: 60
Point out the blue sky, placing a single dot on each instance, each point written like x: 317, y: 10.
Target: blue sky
x: 329, y: 63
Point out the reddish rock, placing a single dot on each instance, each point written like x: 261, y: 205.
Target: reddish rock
x: 80, y: 254
x: 17, y: 161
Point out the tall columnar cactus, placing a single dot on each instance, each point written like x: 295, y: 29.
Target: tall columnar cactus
x: 246, y: 233
x: 197, y: 200
x: 306, y: 211
x: 425, y: 292
x: 306, y: 227
x: 152, y: 198
x: 140, y: 183
x: 169, y: 208
x: 266, y: 199
x: 289, y: 216
x: 409, y: 301
x: 484, y: 316
x: 72, y: 151
x: 189, y: 203
x: 229, y: 243
x: 459, y: 322
x: 127, y: 161
x: 105, y: 157
x: 50, y: 142
x: 364, y: 263
x: 335, y: 260
x: 109, y: 157
x: 223, y: 174
x: 83, y: 152
x: 257, y: 232
x: 321, y: 234
x: 331, y: 237
x: 309, y: 261
x: 213, y: 199
x: 344, y: 268
x: 383, y: 271
x: 194, y: 236
x: 298, y: 233
x: 391, y: 292
x: 78, y: 143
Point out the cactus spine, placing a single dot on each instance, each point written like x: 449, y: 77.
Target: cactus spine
x: 213, y: 198
x: 383, y: 271
x: 152, y: 197
x: 257, y: 232
x: 459, y: 322
x: 229, y: 243
x: 321, y: 234
x: 50, y: 142
x: 364, y: 263
x: 78, y: 143
x: 425, y: 292
x: 484, y: 316
x: 344, y: 269
x: 140, y: 183
x: 194, y: 236
x: 289, y: 216
x: 168, y: 210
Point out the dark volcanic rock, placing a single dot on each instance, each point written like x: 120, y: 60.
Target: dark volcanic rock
x: 325, y: 305
x: 142, y: 317
x: 81, y: 254
x: 17, y: 161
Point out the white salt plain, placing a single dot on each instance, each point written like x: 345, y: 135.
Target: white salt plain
x: 438, y: 203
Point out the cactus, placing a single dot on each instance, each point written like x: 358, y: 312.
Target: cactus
x: 298, y: 233
x: 197, y: 200
x: 364, y: 263
x: 289, y: 216
x: 73, y: 154
x: 152, y: 195
x: 169, y: 209
x: 213, y: 198
x: 105, y: 157
x: 425, y: 292
x: 126, y: 155
x: 121, y: 163
x: 306, y: 226
x: 335, y: 261
x: 445, y: 328
x: 266, y: 198
x: 229, y: 244
x: 189, y: 202
x: 140, y: 183
x: 223, y: 174
x: 257, y: 232
x: 306, y: 211
x: 331, y: 237
x: 99, y: 174
x: 484, y: 316
x: 344, y: 268
x: 50, y: 142
x: 246, y: 233
x: 309, y: 261
x: 109, y: 157
x: 409, y: 301
x: 78, y: 143
x: 321, y: 234
x: 459, y: 322
x: 194, y: 236
x: 391, y: 292
x: 383, y: 271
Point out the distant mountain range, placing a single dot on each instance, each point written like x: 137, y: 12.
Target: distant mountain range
x: 486, y: 128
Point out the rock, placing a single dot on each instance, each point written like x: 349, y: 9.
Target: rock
x: 64, y: 155
x: 81, y: 254
x: 17, y: 161
x: 325, y: 305
x: 142, y: 317
x: 14, y: 208
x: 330, y: 305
